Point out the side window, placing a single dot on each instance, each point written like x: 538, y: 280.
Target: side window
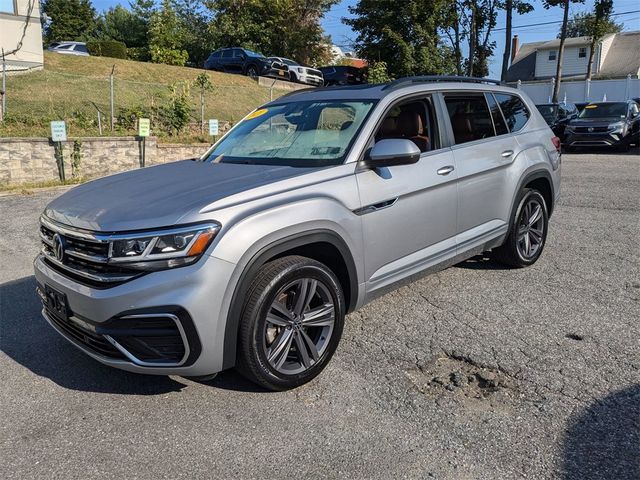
x: 470, y: 117
x: 634, y: 108
x: 217, y: 54
x: 237, y: 53
x: 496, y: 115
x: 227, y: 53
x: 81, y: 48
x: 514, y: 111
x: 412, y: 120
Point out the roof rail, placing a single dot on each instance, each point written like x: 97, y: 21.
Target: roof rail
x: 439, y: 78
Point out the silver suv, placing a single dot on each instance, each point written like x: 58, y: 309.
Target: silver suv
x: 312, y: 205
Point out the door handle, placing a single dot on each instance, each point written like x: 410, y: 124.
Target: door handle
x: 445, y: 170
x: 507, y: 153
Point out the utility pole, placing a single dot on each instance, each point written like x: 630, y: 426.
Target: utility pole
x: 111, y: 95
x: 563, y: 37
x: 3, y: 93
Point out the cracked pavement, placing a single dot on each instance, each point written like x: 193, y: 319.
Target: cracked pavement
x: 476, y: 372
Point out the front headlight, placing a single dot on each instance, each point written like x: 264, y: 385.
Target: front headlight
x: 162, y: 248
x: 617, y: 127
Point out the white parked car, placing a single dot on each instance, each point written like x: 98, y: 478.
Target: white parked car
x: 70, y: 48
x: 300, y: 73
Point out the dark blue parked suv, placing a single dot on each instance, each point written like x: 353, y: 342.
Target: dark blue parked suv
x: 246, y: 62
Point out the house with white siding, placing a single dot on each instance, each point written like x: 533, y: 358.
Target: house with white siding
x: 616, y: 55
x: 21, y: 34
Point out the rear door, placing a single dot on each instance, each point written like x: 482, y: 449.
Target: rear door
x: 483, y: 150
x: 226, y: 60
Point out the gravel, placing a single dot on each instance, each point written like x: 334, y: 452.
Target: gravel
x: 475, y: 372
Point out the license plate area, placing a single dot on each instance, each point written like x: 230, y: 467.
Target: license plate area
x: 55, y: 302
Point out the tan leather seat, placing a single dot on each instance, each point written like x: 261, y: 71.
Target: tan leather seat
x: 410, y: 127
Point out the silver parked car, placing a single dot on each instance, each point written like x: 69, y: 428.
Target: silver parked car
x: 70, y: 48
x: 311, y: 206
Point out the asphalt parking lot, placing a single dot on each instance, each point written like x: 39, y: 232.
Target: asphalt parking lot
x: 475, y: 372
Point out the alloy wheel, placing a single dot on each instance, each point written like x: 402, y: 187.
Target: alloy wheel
x: 530, y: 229
x: 299, y: 325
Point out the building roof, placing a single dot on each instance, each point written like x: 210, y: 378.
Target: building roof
x: 523, y: 66
x: 623, y: 57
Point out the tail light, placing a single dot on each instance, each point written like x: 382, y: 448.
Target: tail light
x: 556, y: 143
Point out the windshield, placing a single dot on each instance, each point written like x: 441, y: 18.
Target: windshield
x: 301, y: 134
x: 549, y: 112
x: 249, y: 53
x: 600, y: 110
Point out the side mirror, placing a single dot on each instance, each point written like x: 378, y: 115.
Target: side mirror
x: 392, y: 151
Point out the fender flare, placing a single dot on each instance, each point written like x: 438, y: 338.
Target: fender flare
x: 528, y: 178
x: 260, y: 258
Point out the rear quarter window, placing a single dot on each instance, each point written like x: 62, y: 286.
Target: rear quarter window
x: 514, y: 110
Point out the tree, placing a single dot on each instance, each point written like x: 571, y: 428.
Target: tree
x: 563, y: 35
x: 521, y: 7
x: 287, y: 28
x: 119, y: 23
x: 405, y: 38
x: 194, y: 23
x: 203, y: 84
x: 166, y: 37
x: 471, y: 21
x: 581, y: 24
x: 70, y: 20
x: 600, y: 26
x: 377, y: 73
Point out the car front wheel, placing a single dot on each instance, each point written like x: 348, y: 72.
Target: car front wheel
x: 252, y: 71
x: 291, y: 323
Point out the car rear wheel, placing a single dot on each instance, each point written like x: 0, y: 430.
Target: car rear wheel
x: 528, y: 231
x: 291, y: 323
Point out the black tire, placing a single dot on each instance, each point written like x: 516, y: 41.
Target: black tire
x: 252, y: 71
x: 293, y: 78
x: 253, y: 337
x: 510, y: 252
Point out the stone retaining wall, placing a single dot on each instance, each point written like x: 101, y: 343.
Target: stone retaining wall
x: 33, y: 160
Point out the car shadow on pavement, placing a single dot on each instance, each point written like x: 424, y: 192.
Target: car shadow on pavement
x: 29, y: 340
x: 482, y: 262
x: 603, y: 441
x: 26, y: 338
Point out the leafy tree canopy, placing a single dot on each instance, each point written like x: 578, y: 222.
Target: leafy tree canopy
x: 70, y: 20
x: 286, y: 28
x: 584, y: 25
x: 403, y: 35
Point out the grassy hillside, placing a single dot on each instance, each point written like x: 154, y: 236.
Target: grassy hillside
x: 69, y: 88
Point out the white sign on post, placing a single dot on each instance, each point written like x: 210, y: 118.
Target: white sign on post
x: 58, y: 131
x: 213, y: 127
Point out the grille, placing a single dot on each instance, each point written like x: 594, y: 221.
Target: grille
x: 595, y: 129
x: 84, y: 260
x: 91, y: 340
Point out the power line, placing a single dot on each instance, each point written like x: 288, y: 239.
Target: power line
x: 557, y: 21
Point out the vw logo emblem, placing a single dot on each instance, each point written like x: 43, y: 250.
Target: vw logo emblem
x: 58, y: 247
x: 590, y: 129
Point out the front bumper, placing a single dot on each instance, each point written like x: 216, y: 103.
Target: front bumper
x: 599, y: 139
x: 311, y: 80
x: 113, y: 325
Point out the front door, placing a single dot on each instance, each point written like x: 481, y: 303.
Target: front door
x: 408, y: 211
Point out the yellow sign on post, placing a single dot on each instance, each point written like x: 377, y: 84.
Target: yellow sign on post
x: 144, y: 127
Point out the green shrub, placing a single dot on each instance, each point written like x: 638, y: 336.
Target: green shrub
x: 107, y: 48
x: 140, y: 54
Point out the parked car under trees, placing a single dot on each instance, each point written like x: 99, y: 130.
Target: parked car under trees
x: 246, y: 62
x: 557, y: 116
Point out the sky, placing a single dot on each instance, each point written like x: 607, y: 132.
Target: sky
x: 344, y: 37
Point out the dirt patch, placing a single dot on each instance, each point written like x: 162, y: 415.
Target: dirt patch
x: 446, y: 374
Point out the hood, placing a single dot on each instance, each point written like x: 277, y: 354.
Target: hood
x: 592, y: 122
x: 159, y: 196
